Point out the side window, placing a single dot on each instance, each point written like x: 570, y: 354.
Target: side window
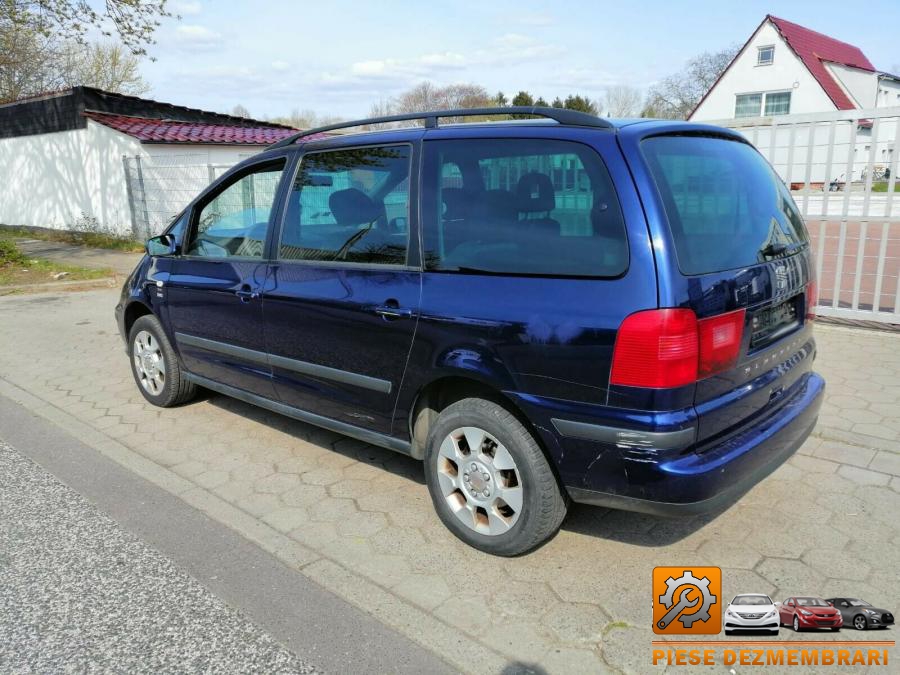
x: 349, y: 206
x: 513, y: 206
x: 234, y: 222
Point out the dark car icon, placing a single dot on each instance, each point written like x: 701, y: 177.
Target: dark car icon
x: 860, y: 614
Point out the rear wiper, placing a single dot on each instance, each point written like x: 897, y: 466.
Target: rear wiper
x: 774, y: 249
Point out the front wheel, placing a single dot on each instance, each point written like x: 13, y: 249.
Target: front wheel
x: 796, y: 625
x: 155, y: 365
x: 859, y: 622
x: 489, y: 480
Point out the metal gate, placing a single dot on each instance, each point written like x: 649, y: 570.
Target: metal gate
x: 842, y: 171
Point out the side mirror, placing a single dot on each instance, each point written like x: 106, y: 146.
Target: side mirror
x: 164, y: 244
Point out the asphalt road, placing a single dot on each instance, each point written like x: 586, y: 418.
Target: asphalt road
x: 81, y: 592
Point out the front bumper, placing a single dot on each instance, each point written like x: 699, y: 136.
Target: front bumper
x: 820, y: 621
x: 660, y: 478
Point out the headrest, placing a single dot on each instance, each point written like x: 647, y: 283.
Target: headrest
x: 535, y: 193
x: 352, y: 207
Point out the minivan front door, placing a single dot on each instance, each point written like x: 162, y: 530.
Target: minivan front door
x: 214, y: 292
x: 341, y: 305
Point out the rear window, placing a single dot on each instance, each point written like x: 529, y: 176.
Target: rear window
x: 726, y: 207
x: 520, y: 207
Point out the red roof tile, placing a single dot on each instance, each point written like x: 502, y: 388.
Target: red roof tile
x: 814, y: 49
x: 168, y: 131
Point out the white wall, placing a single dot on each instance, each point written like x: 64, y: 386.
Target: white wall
x: 859, y: 85
x: 51, y: 180
x: 787, y: 73
x: 889, y: 93
x: 55, y: 180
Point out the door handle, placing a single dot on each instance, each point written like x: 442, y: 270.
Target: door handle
x: 391, y: 310
x: 246, y: 293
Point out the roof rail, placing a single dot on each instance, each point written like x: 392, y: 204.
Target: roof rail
x: 563, y: 116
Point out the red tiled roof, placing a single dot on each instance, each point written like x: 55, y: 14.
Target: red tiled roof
x: 168, y: 131
x: 814, y: 49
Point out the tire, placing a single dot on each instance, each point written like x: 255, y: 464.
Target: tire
x: 155, y: 365
x: 796, y: 624
x: 860, y: 622
x: 468, y: 490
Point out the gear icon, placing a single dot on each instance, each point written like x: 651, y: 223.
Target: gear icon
x: 688, y: 579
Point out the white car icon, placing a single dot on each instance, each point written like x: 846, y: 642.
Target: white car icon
x: 751, y: 611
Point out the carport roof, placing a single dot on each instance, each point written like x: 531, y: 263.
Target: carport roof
x: 148, y: 130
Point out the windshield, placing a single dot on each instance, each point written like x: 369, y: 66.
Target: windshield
x: 751, y: 600
x: 725, y: 205
x: 859, y: 603
x: 812, y: 602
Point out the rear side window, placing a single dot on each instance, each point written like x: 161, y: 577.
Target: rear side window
x: 520, y: 206
x: 725, y: 205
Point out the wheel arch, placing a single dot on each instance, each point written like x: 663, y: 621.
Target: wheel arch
x: 134, y: 311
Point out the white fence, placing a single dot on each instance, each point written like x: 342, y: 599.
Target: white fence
x: 842, y: 169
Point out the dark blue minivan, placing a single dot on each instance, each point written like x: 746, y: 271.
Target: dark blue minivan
x: 549, y: 308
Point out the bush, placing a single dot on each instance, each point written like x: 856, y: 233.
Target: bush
x: 10, y: 253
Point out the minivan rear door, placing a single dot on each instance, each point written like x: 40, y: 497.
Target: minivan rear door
x: 738, y: 255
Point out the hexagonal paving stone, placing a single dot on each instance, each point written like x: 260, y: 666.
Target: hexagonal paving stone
x: 425, y: 590
x: 331, y: 509
x: 362, y: 524
x: 277, y: 483
x: 790, y: 574
x: 578, y: 623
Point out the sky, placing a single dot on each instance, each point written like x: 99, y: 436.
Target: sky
x: 338, y: 58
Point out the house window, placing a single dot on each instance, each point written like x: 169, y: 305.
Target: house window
x: 765, y: 55
x: 747, y: 105
x: 778, y: 103
x: 764, y: 103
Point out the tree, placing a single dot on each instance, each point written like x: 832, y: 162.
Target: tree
x: 540, y: 102
x: 132, y: 21
x: 305, y: 119
x: 31, y: 63
x: 523, y: 98
x: 676, y: 96
x: 500, y: 99
x: 426, y: 96
x: 580, y: 103
x: 622, y: 100
x: 106, y: 66
x: 558, y: 103
x: 240, y: 111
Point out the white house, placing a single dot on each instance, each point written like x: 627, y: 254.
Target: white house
x: 64, y: 155
x: 785, y: 68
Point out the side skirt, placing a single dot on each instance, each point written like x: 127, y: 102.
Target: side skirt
x: 365, y: 435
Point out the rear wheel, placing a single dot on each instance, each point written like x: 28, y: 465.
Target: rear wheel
x: 155, y: 365
x: 489, y: 480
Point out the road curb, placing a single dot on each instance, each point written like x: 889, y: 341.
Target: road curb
x: 449, y: 643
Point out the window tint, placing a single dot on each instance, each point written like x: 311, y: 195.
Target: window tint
x: 349, y: 206
x: 235, y: 220
x: 726, y: 207
x: 514, y: 206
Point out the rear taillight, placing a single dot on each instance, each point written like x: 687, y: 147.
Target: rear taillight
x: 720, y: 342
x: 812, y: 299
x: 662, y: 348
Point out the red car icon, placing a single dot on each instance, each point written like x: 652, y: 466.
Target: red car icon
x: 807, y: 612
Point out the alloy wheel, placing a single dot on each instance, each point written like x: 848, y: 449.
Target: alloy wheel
x: 480, y: 481
x: 149, y: 363
x: 859, y: 623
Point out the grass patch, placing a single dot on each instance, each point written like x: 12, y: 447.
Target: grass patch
x: 883, y: 187
x: 106, y: 240
x: 612, y: 625
x: 16, y: 269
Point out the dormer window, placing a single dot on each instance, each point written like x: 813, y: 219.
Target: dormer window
x: 765, y: 55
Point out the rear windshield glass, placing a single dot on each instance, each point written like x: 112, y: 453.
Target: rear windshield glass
x: 726, y: 207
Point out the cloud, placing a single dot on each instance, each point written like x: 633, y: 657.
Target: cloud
x: 280, y: 66
x: 186, y: 8
x: 192, y: 37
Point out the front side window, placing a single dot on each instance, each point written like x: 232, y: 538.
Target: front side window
x: 349, y: 206
x: 747, y: 105
x: 234, y: 222
x: 778, y: 103
x: 765, y: 56
x: 516, y: 206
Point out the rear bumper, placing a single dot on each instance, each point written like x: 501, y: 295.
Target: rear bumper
x: 661, y: 479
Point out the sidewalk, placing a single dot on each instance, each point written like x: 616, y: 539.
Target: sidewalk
x: 119, y: 261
